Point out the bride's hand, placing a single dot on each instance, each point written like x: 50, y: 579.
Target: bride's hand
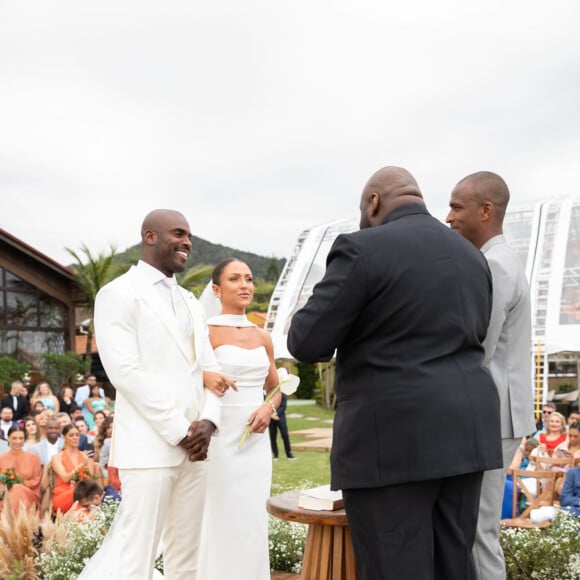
x: 260, y: 419
x: 217, y: 383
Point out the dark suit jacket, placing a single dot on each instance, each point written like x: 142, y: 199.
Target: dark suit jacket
x: 22, y: 409
x: 406, y: 305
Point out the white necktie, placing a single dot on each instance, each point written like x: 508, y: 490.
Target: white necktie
x: 181, y: 311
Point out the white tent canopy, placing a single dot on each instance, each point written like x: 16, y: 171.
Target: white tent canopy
x: 546, y: 236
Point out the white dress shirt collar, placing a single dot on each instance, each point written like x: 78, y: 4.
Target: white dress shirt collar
x: 149, y: 272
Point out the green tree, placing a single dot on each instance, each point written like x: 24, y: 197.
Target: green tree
x: 62, y: 368
x: 91, y: 275
x: 11, y: 370
x: 309, y: 382
x: 196, y: 276
x: 272, y: 273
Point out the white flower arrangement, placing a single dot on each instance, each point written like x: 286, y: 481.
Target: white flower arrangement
x: 548, y: 554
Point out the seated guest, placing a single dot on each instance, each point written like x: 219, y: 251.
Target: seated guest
x: 105, y: 432
x: 64, y: 419
x: 75, y: 412
x: 71, y: 466
x: 81, y: 425
x: 44, y: 394
x: 542, y: 422
x: 41, y: 417
x: 48, y: 447
x: 570, y: 495
x: 94, y: 404
x: 110, y: 472
x: 27, y: 467
x: 6, y: 414
x: 66, y: 400
x: 521, y: 461
x: 16, y: 401
x: 573, y: 417
x: 555, y: 432
x: 88, y: 495
x: 521, y: 458
x: 84, y: 392
x: 570, y: 448
x: 99, y: 417
x: 32, y: 433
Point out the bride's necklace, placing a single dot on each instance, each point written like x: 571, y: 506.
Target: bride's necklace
x: 236, y: 320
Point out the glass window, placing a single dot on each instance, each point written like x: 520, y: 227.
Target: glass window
x: 52, y: 312
x: 28, y: 345
x: 21, y: 309
x: 15, y: 283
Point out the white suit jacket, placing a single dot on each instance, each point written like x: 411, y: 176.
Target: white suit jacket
x: 508, y: 344
x: 159, y: 385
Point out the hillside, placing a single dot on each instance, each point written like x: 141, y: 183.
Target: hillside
x: 206, y: 253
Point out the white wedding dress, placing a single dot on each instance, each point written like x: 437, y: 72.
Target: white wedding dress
x: 235, y: 532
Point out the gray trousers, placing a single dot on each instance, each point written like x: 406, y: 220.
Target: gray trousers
x: 487, y: 553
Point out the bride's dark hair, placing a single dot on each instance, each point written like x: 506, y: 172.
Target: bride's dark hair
x: 218, y: 270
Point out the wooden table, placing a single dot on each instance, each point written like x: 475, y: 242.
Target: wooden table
x: 328, y: 554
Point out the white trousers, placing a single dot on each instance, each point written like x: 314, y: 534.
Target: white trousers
x: 157, y: 502
x: 487, y: 553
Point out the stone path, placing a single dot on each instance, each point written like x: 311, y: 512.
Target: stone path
x: 319, y: 439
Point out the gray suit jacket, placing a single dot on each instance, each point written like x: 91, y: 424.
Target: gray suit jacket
x: 41, y: 449
x: 509, y: 337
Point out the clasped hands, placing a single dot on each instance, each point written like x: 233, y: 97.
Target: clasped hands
x: 196, y: 442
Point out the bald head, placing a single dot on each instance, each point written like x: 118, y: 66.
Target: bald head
x: 478, y: 205
x: 155, y: 220
x: 386, y: 190
x: 165, y: 240
x: 488, y: 186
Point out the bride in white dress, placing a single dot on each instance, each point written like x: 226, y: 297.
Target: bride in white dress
x: 235, y: 536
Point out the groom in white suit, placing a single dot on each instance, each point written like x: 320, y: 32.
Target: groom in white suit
x: 158, y: 357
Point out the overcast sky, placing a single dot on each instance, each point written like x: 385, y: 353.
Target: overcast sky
x: 258, y: 119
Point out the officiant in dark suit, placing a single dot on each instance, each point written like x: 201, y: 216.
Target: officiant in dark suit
x: 16, y: 401
x: 406, y: 305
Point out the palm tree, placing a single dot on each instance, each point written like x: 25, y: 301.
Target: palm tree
x: 91, y: 276
x: 195, y: 276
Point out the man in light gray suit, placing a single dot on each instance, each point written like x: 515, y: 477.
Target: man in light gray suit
x: 53, y: 443
x: 478, y: 205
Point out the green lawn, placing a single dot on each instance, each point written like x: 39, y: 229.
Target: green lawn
x: 311, y: 468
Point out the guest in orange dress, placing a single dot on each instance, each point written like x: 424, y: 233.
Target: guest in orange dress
x: 27, y: 466
x: 70, y: 466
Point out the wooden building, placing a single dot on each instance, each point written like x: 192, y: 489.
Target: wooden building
x: 37, y: 297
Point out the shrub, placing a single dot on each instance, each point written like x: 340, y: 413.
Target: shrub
x: 69, y: 546
x: 11, y: 370
x: 286, y: 542
x: 546, y: 554
x: 62, y: 368
x: 308, y: 380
